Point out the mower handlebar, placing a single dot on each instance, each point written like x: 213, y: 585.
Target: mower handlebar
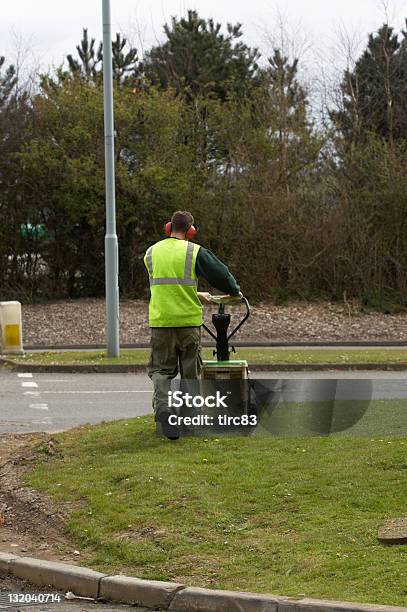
x: 221, y: 300
x: 226, y: 299
x: 246, y: 316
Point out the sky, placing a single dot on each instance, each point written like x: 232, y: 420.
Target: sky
x: 50, y: 29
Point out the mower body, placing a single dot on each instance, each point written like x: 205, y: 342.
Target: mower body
x: 223, y: 368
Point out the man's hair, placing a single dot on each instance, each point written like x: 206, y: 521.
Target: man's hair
x: 181, y: 221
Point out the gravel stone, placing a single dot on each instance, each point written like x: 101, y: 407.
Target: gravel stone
x: 83, y: 322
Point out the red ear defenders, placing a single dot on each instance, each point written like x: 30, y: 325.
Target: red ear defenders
x: 190, y: 233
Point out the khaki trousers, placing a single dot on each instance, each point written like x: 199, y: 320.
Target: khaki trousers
x: 173, y: 350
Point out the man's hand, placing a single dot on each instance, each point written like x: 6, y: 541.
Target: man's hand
x: 204, y: 296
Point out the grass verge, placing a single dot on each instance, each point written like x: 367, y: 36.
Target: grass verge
x: 285, y: 516
x: 262, y: 356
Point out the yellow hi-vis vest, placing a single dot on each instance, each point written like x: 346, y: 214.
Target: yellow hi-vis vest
x: 173, y: 284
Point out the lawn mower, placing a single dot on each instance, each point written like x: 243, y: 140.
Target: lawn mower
x: 222, y: 396
x: 224, y: 373
x: 224, y: 367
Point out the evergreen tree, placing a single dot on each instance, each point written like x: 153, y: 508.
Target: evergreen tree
x: 89, y: 59
x: 8, y: 81
x: 199, y: 60
x: 286, y: 103
x: 88, y: 65
x: 289, y: 97
x: 374, y: 93
x: 14, y: 133
x: 126, y: 65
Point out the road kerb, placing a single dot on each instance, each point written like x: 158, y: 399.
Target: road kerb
x: 20, y: 366
x: 134, y: 591
x: 316, y: 605
x: 193, y: 599
x: 5, y: 562
x: 80, y: 580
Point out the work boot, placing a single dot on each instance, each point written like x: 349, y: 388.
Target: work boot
x: 170, y: 431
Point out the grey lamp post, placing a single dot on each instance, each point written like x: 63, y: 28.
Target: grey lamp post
x: 111, y: 243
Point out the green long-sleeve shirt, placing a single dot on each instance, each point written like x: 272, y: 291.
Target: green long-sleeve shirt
x: 215, y: 272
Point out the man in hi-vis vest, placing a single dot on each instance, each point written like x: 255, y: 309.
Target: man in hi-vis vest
x: 175, y: 313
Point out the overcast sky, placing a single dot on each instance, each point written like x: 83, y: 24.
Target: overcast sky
x: 52, y: 28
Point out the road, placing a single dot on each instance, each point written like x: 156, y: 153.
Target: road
x: 53, y: 402
x: 13, y: 586
x: 32, y: 402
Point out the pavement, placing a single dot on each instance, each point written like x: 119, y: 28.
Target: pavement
x: 50, y: 402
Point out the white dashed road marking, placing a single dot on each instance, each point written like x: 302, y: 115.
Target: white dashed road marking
x: 34, y: 394
x: 55, y: 380
x: 46, y: 421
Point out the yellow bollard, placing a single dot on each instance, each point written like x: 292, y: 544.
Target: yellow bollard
x: 11, y: 336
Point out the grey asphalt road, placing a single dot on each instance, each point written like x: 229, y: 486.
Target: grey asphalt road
x: 10, y: 586
x: 53, y: 402
x: 71, y: 606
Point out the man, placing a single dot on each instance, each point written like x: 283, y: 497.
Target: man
x: 175, y: 313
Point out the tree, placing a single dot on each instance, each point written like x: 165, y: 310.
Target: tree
x: 374, y: 93
x: 62, y: 186
x: 88, y: 65
x: 290, y: 127
x: 14, y: 131
x: 198, y: 60
x: 126, y: 66
x: 89, y: 59
x: 8, y: 82
x: 268, y: 139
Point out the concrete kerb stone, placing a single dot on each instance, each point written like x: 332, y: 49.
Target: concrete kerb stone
x: 80, y: 580
x: 193, y: 599
x: 134, y: 591
x: 19, y: 366
x: 317, y: 605
x: 5, y: 562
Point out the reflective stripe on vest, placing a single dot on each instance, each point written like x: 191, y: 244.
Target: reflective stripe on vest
x: 190, y: 282
x: 149, y: 261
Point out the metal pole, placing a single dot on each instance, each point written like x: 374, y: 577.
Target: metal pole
x: 111, y: 243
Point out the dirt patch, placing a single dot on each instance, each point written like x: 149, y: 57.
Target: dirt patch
x: 32, y: 525
x: 146, y: 533
x: 83, y: 322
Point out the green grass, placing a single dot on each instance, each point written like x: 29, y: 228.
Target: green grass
x: 349, y: 418
x: 253, y: 355
x: 136, y: 357
x: 284, y: 516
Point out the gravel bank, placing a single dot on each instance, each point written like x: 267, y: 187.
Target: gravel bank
x: 83, y: 322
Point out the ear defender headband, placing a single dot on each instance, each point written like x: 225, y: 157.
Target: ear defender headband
x: 189, y: 234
